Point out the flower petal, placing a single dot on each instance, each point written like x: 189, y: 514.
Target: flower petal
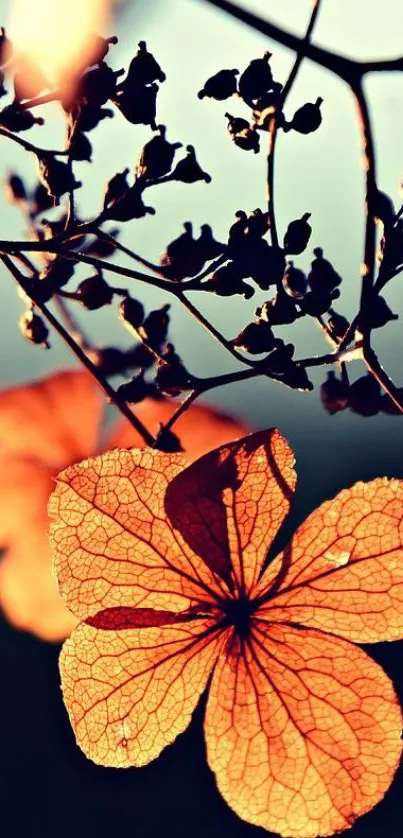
x: 343, y: 570
x: 130, y: 693
x: 28, y: 590
x: 55, y: 420
x: 199, y: 429
x: 302, y: 730
x: 231, y: 502
x: 112, y: 543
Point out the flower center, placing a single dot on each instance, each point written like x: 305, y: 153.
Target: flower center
x: 238, y: 613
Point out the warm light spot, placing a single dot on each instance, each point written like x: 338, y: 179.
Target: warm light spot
x: 55, y: 32
x: 338, y: 559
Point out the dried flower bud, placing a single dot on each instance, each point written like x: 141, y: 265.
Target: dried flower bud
x: 322, y: 277
x: 34, y: 329
x: 129, y: 206
x: 97, y: 86
x: 168, y: 441
x: 155, y: 327
x: 364, y: 396
x: 116, y: 188
x: 171, y: 377
x: 243, y: 134
x: 258, y: 223
x: 135, y: 390
x: 188, y: 169
x: 227, y: 281
x: 143, y: 69
x: 57, y: 178
x: 95, y: 292
x: 279, y: 310
x: 333, y: 394
x: 294, y: 282
x: 297, y: 235
x: 80, y: 147
x: 183, y: 256
x: 157, y: 156
x: 220, y: 86
x: 376, y: 313
x: 14, y: 189
x: 40, y: 201
x: 337, y: 325
x: 57, y: 273
x: 255, y: 338
x: 16, y: 120
x: 315, y: 304
x: 209, y: 248
x: 97, y: 48
x: 131, y: 312
x: 306, y: 119
x: 139, y: 104
x: 87, y: 117
x: 257, y: 79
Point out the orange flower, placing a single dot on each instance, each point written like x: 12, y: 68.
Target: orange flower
x: 44, y: 427
x: 164, y: 563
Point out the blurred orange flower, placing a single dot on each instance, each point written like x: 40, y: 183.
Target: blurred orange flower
x: 165, y: 565
x: 44, y: 427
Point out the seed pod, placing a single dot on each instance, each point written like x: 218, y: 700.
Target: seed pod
x: 34, y: 329
x: 271, y: 269
x: 139, y: 105
x: 40, y: 201
x: 257, y: 79
x: 57, y: 273
x: 131, y: 312
x: 243, y: 135
x: 135, y: 390
x: 236, y: 235
x: 294, y: 282
x: 315, y: 304
x: 279, y: 310
x: 306, y: 119
x: 255, y: 338
x: 143, y: 69
x: 57, y: 178
x: 16, y: 120
x: 95, y: 292
x: 220, y: 86
x: 97, y: 47
x: 155, y: 327
x: 188, y: 169
x: 364, y: 396
x: 14, y: 189
x: 116, y: 188
x: 376, y: 313
x: 258, y: 223
x: 129, y: 206
x: 80, y: 147
x: 297, y: 235
x: 333, y: 394
x: 171, y: 377
x: 227, y: 281
x: 337, y: 325
x: 98, y: 85
x: 209, y: 248
x: 266, y: 106
x: 322, y: 277
x: 168, y: 441
x: 87, y: 117
x: 157, y: 156
x: 279, y: 362
x: 183, y: 256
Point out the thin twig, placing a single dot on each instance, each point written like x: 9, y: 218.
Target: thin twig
x: 80, y: 355
x: 197, y: 314
x: 30, y: 146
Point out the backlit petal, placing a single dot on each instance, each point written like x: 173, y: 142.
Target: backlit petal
x: 112, y: 543
x: 230, y: 503
x: 130, y: 693
x: 343, y: 570
x: 303, y: 731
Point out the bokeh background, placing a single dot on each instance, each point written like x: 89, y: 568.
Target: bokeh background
x: 48, y: 788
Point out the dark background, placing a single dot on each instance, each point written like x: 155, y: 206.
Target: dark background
x: 48, y: 788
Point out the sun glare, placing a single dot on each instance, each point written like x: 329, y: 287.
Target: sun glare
x: 54, y: 32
